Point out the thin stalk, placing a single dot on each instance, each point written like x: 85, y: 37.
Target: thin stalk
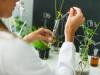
x: 56, y: 8
x: 61, y: 5
x: 92, y: 36
x: 58, y: 13
x: 95, y: 31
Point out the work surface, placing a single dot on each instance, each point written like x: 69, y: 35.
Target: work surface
x: 52, y: 62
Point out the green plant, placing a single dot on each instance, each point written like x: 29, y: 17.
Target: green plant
x: 43, y: 48
x: 58, y: 11
x: 58, y: 16
x: 17, y: 22
x: 88, y: 41
x: 40, y: 45
x: 28, y: 30
x: 21, y: 27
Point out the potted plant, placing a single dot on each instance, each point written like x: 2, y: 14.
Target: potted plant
x: 43, y: 48
x: 83, y: 64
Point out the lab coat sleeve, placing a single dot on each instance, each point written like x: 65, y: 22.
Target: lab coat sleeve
x: 66, y: 59
x: 19, y: 59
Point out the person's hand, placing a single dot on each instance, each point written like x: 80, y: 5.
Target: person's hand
x: 40, y: 34
x: 75, y: 19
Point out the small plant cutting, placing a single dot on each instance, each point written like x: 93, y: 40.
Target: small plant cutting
x: 58, y: 14
x: 43, y: 48
x: 58, y: 17
x: 84, y: 48
x: 58, y: 11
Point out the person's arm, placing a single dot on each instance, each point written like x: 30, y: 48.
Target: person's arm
x: 66, y: 59
x: 18, y: 58
x: 67, y: 53
x: 40, y: 34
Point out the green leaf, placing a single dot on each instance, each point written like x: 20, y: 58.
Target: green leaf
x: 40, y: 45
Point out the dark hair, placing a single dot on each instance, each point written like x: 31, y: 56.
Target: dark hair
x: 3, y: 25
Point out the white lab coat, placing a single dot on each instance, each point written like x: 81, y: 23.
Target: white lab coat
x: 19, y: 58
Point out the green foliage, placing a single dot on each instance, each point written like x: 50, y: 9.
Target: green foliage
x: 20, y: 28
x: 28, y: 30
x: 58, y: 11
x: 87, y: 42
x: 40, y: 45
x: 18, y: 22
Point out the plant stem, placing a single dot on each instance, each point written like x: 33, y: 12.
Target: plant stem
x: 61, y: 5
x: 55, y: 8
x: 58, y: 13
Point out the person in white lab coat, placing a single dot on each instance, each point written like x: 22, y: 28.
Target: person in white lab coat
x: 17, y: 57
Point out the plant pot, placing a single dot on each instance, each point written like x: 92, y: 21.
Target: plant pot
x: 44, y: 54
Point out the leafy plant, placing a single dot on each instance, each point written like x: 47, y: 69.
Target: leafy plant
x: 58, y: 11
x: 58, y: 16
x: 40, y: 45
x: 17, y: 22
x: 28, y: 30
x: 21, y: 27
x: 85, y: 45
x: 43, y: 48
x: 87, y: 42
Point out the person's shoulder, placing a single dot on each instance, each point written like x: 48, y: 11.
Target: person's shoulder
x: 12, y: 45
x: 11, y: 40
x: 5, y: 35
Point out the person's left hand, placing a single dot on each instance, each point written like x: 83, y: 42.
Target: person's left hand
x: 40, y: 34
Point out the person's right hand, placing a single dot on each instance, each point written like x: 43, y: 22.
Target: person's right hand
x: 40, y: 34
x: 75, y: 19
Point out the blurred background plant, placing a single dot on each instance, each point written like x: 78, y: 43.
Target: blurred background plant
x: 21, y: 28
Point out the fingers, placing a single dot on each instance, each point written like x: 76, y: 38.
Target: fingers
x: 45, y: 34
x: 71, y: 12
x: 78, y: 11
x: 48, y: 35
x: 48, y: 32
x: 75, y: 11
x: 47, y: 39
x: 75, y: 19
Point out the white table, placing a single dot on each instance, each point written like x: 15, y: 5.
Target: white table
x: 52, y: 61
